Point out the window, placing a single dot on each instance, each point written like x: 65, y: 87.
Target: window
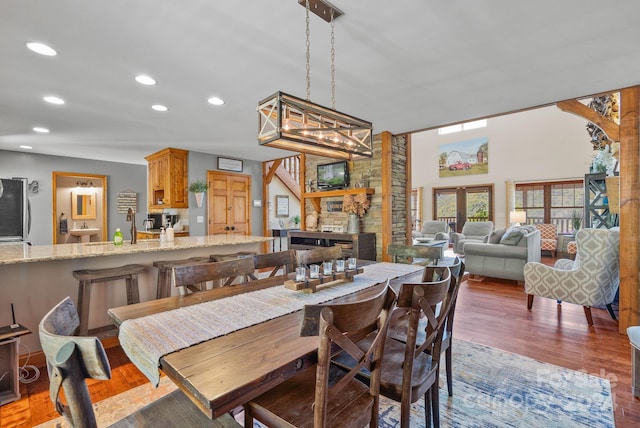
x: 457, y: 205
x: 553, y: 202
x: 482, y: 123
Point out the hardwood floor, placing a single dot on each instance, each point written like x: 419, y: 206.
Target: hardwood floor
x: 490, y: 312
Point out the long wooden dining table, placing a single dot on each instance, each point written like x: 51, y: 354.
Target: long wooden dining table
x: 224, y: 372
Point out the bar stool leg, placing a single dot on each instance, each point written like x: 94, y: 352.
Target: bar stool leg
x: 164, y: 282
x: 133, y: 294
x: 84, y: 301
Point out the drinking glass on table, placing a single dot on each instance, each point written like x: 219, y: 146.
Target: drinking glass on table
x: 314, y: 271
x: 339, y: 265
x: 351, y: 263
x: 327, y: 267
x: 301, y: 273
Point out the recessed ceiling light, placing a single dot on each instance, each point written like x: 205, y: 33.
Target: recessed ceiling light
x: 53, y: 100
x: 215, y: 101
x: 159, y: 107
x: 145, y: 80
x: 26, y: 147
x: 42, y: 49
x: 41, y: 130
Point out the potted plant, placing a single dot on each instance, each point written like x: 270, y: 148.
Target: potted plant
x: 296, y: 220
x: 198, y: 188
x: 576, y: 221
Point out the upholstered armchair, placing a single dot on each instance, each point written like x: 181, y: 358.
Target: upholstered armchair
x: 592, y: 279
x: 548, y: 237
x: 433, y: 230
x: 472, y: 231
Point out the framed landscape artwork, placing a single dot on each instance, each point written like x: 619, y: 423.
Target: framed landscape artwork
x: 464, y: 158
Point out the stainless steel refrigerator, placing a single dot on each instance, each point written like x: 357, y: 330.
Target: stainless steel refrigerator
x: 15, y: 220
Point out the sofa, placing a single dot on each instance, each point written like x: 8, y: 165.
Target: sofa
x: 504, y: 253
x: 432, y: 230
x: 472, y: 231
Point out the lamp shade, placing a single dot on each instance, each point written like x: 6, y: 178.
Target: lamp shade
x: 290, y: 123
x: 518, y: 217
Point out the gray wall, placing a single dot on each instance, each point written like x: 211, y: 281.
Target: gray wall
x: 120, y: 177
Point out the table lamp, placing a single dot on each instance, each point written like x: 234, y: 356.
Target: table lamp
x: 518, y: 217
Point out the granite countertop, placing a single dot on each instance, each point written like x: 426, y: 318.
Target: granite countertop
x: 23, y: 253
x: 157, y: 231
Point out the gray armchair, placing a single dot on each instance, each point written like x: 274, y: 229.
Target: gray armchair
x: 472, y: 231
x: 432, y: 230
x: 592, y: 279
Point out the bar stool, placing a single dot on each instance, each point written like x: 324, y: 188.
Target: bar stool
x: 165, y: 268
x: 88, y: 277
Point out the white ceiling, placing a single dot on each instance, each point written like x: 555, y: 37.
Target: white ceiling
x: 405, y: 65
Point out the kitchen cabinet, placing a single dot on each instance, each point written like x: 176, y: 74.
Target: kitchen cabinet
x: 155, y: 234
x: 167, y: 179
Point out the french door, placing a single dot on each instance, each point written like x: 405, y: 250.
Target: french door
x: 228, y: 203
x: 458, y: 205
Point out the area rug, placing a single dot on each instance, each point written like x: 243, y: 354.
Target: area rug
x: 491, y: 388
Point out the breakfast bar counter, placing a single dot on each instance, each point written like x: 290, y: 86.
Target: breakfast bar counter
x: 36, y: 278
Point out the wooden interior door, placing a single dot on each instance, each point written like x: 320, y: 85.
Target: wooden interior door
x: 228, y: 199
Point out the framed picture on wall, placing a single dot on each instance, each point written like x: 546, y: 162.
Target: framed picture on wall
x: 282, y: 206
x: 464, y: 158
x: 227, y: 164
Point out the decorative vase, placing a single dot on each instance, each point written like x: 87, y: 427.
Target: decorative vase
x: 353, y: 224
x: 199, y: 198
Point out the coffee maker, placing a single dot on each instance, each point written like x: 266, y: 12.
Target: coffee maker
x: 170, y: 219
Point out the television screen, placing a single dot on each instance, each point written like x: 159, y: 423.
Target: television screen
x: 333, y: 175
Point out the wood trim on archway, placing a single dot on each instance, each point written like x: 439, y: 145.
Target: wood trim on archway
x: 629, y: 136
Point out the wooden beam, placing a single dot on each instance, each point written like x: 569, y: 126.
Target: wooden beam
x: 387, y: 193
x: 303, y: 183
x: 608, y: 126
x: 271, y: 170
x: 629, y: 208
x: 408, y: 189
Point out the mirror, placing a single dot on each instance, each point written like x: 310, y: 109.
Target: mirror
x: 83, y: 206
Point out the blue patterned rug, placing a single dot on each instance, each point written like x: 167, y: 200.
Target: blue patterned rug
x: 491, y: 388
x: 494, y: 388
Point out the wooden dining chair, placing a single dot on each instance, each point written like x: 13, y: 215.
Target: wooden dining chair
x: 226, y: 272
x: 317, y: 255
x: 281, y: 262
x: 410, y: 368
x: 322, y: 395
x: 73, y: 359
x: 398, y: 328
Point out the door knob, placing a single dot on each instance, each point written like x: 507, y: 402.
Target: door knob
x: 226, y: 228
x: 233, y: 228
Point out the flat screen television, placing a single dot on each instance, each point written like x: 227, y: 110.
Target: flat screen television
x: 333, y: 175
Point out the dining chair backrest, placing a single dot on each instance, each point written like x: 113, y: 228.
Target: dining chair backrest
x: 282, y: 261
x: 318, y: 255
x: 226, y: 271
x: 336, y: 325
x: 72, y: 359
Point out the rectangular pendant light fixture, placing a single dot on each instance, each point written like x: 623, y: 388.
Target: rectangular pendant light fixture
x: 290, y: 123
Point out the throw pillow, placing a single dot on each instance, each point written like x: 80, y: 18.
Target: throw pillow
x: 512, y: 236
x: 496, y: 236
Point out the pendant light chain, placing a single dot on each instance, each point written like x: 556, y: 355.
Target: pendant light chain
x: 308, y: 55
x: 333, y: 64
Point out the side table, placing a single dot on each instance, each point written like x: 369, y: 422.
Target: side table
x: 9, y: 361
x: 563, y: 240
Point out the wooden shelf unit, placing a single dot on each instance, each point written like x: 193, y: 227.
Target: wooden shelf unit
x: 363, y: 244
x: 315, y: 197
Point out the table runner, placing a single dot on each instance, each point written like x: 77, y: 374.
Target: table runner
x: 147, y: 339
